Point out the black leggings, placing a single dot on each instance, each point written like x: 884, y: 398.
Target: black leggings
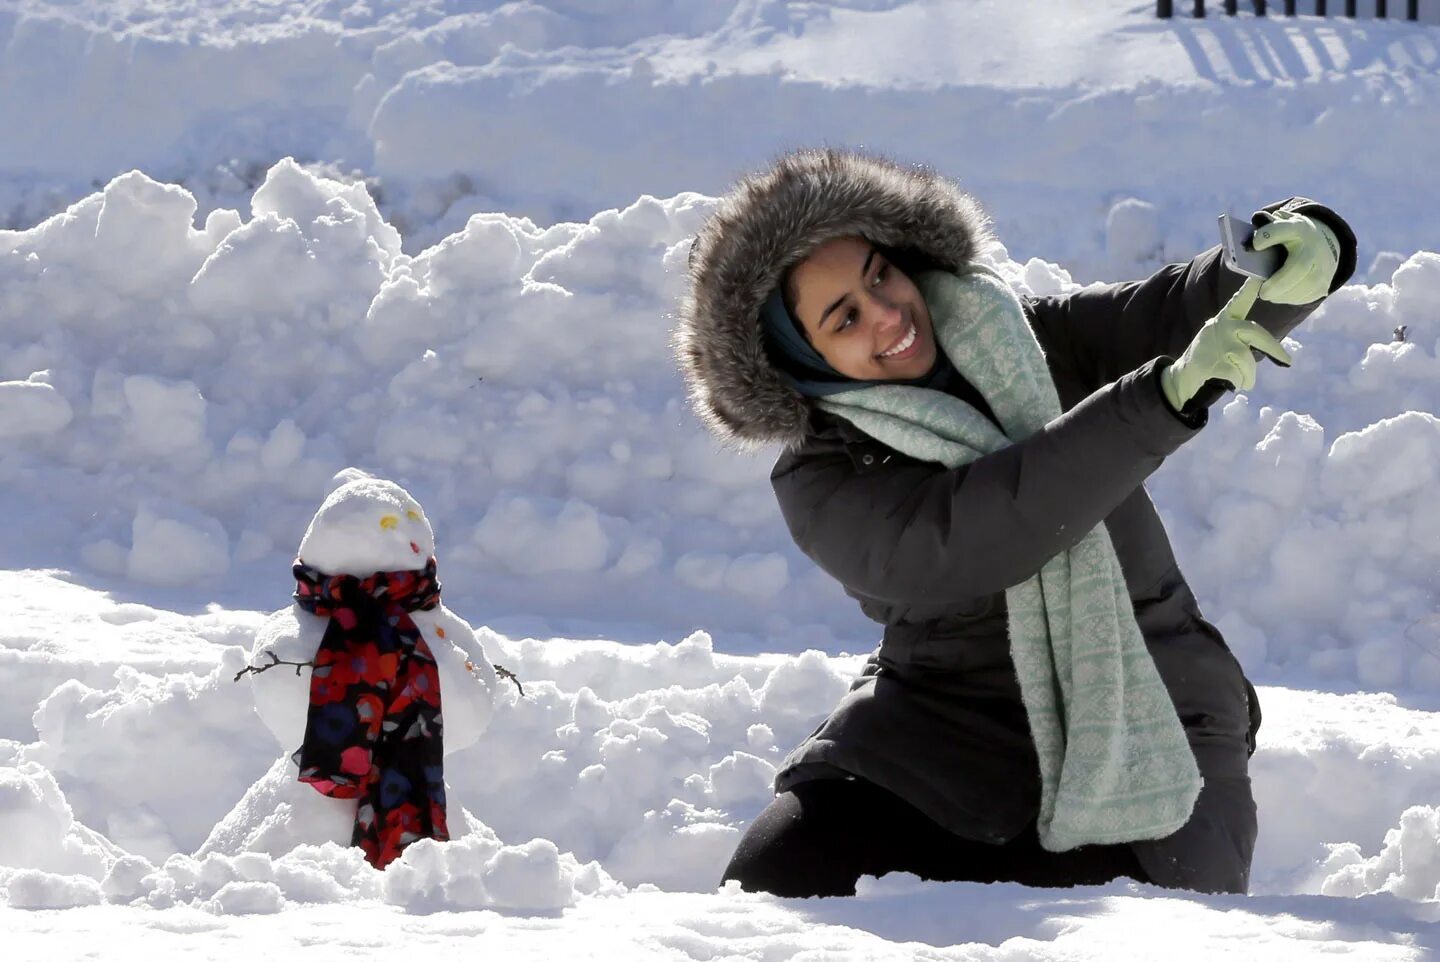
x: 822, y: 835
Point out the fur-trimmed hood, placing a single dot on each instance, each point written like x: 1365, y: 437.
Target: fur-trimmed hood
x: 773, y: 219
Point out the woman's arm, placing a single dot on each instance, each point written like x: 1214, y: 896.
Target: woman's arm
x: 1110, y: 329
x: 903, y: 531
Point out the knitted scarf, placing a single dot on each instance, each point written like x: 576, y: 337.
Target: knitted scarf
x: 373, y: 729
x: 1115, y: 765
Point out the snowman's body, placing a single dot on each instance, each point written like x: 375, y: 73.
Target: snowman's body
x: 467, y: 695
x: 364, y: 526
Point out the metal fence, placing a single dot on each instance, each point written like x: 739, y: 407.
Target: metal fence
x: 1166, y: 8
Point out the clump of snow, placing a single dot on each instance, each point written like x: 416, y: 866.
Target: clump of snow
x: 253, y: 882
x: 32, y: 407
x: 1407, y: 866
x: 527, y: 536
x: 1133, y: 237
x: 41, y: 831
x: 34, y: 889
x: 164, y: 418
x: 247, y: 898
x: 1334, y: 767
x: 173, y: 544
x: 125, y: 881
x: 474, y: 870
x: 477, y: 872
x: 1417, y: 287
x: 103, y: 744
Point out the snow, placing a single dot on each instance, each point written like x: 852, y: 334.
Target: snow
x: 265, y: 259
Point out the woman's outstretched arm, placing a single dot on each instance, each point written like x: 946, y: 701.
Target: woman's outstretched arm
x: 1113, y: 328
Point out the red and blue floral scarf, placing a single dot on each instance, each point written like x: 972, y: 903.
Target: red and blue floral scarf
x: 373, y: 730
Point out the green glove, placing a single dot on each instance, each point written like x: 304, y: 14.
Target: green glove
x: 1221, y: 349
x: 1311, y: 254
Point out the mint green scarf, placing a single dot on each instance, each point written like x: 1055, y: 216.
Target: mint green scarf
x: 1115, y: 765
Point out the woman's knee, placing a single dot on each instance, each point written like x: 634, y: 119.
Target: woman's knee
x: 790, y: 850
x: 1213, y: 851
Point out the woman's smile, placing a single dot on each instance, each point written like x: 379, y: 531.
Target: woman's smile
x: 906, y: 347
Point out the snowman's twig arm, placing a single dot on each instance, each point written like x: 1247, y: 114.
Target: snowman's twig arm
x: 273, y: 662
x: 507, y: 673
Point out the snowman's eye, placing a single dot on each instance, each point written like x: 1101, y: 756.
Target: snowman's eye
x: 389, y: 522
x: 412, y: 515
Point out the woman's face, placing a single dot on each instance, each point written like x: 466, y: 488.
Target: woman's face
x: 861, y: 313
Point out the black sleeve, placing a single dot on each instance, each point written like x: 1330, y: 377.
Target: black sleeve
x: 1113, y: 328
x: 914, y: 532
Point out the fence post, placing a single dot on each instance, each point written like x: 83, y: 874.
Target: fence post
x: 1200, y: 9
x: 1230, y: 6
x: 1259, y: 8
x: 1412, y: 9
x: 1319, y: 8
x: 1164, y: 9
x: 1289, y: 8
x: 1380, y: 9
x: 1350, y: 9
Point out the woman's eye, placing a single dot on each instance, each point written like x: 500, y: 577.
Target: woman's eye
x: 881, y: 274
x: 848, y: 319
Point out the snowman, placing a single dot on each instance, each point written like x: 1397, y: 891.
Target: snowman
x: 366, y: 526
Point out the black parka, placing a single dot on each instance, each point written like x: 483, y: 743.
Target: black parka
x: 928, y: 551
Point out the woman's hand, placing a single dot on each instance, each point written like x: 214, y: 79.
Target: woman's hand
x: 1221, y: 349
x: 1311, y: 253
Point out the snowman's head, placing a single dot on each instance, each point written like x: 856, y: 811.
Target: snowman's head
x: 368, y: 525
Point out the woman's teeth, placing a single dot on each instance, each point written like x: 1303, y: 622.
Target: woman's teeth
x: 903, y: 346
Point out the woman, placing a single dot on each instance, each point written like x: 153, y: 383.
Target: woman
x: 950, y: 755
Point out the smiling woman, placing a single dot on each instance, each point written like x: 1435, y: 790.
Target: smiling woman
x: 873, y: 324
x: 969, y: 464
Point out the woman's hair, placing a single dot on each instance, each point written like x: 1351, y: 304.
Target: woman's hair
x: 909, y: 261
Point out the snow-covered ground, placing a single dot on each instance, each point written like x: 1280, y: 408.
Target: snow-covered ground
x: 462, y: 280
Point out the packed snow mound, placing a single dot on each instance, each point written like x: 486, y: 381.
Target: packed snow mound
x: 519, y: 381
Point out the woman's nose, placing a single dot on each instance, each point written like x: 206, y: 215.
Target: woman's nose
x: 884, y: 312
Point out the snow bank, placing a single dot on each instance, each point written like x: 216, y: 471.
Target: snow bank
x: 518, y: 380
x: 455, y: 111
x: 647, y: 760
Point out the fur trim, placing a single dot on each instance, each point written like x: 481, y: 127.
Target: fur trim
x: 771, y: 220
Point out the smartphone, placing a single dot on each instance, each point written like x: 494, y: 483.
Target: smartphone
x: 1235, y: 237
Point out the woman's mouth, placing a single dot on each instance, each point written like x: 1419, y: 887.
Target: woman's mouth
x: 904, y: 347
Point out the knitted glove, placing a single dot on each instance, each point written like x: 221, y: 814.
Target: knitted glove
x: 1311, y: 253
x: 1221, y: 349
